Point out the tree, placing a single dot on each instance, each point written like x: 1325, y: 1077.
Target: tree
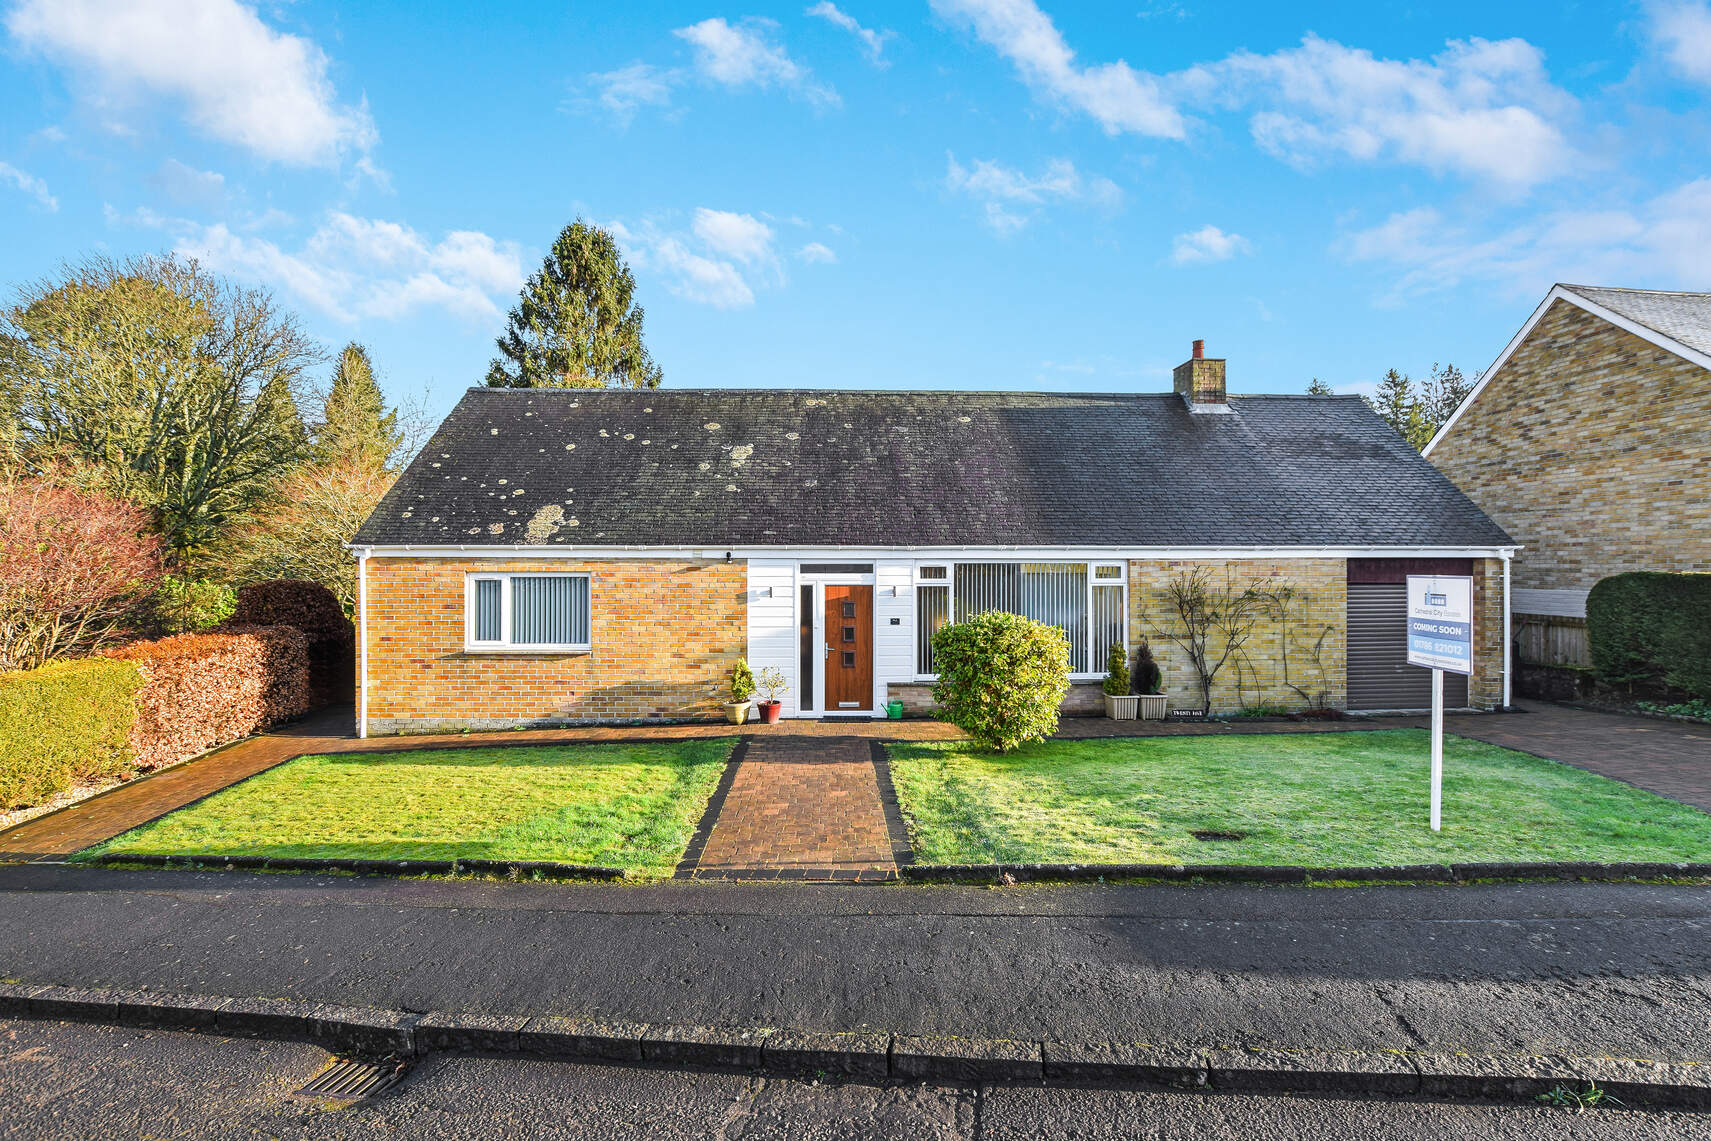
x: 1398, y: 406
x: 154, y: 380
x: 356, y: 425
x: 1317, y: 387
x: 576, y: 324
x: 74, y: 569
x: 303, y: 534
x: 1443, y: 393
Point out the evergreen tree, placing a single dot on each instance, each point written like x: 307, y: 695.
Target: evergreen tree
x: 1443, y: 393
x: 355, y: 423
x: 576, y: 324
x: 1397, y: 405
x: 1317, y: 387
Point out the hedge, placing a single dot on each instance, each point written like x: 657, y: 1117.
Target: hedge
x: 313, y: 609
x: 1653, y: 628
x: 64, y: 723
x: 203, y: 690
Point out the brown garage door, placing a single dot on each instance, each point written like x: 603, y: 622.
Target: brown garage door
x: 1379, y: 674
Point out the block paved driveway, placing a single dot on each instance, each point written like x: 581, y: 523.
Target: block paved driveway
x: 811, y: 795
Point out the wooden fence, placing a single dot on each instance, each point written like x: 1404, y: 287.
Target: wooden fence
x: 1551, y: 640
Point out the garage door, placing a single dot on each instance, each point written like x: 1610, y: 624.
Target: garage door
x: 1379, y: 674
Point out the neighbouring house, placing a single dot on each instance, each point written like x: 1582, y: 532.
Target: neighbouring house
x: 1589, y: 441
x: 566, y: 555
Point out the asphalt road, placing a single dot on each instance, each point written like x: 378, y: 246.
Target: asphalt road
x: 67, y: 1081
x: 1551, y: 968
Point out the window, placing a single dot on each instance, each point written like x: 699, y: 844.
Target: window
x: 1086, y: 601
x: 528, y: 612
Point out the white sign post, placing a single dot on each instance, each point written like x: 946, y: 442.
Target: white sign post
x: 1440, y: 637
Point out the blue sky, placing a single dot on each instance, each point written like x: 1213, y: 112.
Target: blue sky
x: 949, y: 193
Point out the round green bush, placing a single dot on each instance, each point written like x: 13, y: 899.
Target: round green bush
x: 1001, y: 678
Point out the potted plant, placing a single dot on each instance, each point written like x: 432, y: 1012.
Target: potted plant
x: 1119, y: 702
x: 1151, y: 702
x: 742, y: 690
x: 772, y: 685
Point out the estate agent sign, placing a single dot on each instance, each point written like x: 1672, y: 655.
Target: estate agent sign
x: 1440, y: 637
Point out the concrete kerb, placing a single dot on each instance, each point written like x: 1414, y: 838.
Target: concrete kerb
x: 1297, y: 874
x: 874, y: 1055
x: 513, y: 869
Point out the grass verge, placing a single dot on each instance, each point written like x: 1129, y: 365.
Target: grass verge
x: 1320, y: 799
x: 630, y: 806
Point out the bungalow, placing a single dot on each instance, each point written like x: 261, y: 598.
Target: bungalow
x: 569, y: 555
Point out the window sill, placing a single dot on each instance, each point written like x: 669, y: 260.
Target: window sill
x: 526, y: 651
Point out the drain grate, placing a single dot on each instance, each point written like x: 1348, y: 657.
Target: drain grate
x: 347, y: 1080
x: 1215, y: 834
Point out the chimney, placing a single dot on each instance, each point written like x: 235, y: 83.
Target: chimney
x: 1200, y: 381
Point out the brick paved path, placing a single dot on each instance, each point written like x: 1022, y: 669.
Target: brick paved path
x: 802, y: 808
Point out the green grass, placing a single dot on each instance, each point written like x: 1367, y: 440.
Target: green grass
x: 1323, y: 799
x: 630, y: 806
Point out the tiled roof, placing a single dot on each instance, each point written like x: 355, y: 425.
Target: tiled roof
x: 732, y: 467
x: 1683, y: 317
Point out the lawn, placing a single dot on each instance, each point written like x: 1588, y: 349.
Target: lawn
x: 629, y: 806
x: 1325, y: 799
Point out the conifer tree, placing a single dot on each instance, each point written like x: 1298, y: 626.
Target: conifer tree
x: 355, y: 423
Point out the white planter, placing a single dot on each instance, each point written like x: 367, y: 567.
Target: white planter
x: 1121, y: 708
x: 1153, y: 706
x: 737, y: 712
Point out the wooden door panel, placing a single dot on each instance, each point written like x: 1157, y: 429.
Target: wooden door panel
x: 849, y: 639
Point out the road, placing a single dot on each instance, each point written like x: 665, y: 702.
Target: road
x: 1622, y: 969
x: 67, y: 1081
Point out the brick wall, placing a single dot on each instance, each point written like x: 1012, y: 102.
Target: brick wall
x: 1485, y: 687
x: 1592, y: 447
x: 1084, y: 699
x: 1297, y: 663
x: 664, y: 634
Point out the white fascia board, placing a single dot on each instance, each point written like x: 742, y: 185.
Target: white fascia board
x: 967, y: 553
x: 1561, y: 293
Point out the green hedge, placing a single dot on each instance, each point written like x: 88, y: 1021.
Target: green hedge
x: 1652, y: 627
x: 62, y: 723
x: 1001, y: 678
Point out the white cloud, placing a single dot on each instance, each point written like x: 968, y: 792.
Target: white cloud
x: 186, y: 186
x: 1012, y: 198
x: 1663, y: 243
x: 1481, y: 108
x: 817, y: 253
x: 626, y: 90
x: 1683, y: 31
x: 720, y: 260
x: 744, y: 56
x: 352, y: 268
x: 873, y: 40
x: 239, y: 80
x: 1117, y: 96
x: 29, y: 184
x: 1208, y: 243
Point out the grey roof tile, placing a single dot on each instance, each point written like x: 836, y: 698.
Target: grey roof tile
x: 1684, y: 317
x: 733, y: 467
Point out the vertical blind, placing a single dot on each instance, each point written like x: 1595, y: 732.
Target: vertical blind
x: 549, y: 610
x: 487, y: 609
x: 1054, y: 593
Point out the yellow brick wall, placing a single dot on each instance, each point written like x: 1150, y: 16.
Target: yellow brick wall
x: 1320, y: 622
x: 1592, y: 447
x: 664, y: 634
x: 1485, y: 687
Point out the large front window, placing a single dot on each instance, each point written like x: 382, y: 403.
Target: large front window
x: 528, y: 612
x: 1084, y: 600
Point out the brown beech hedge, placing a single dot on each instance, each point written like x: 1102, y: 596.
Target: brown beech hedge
x: 313, y: 609
x: 202, y: 690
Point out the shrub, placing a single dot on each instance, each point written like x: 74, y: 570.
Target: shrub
x: 74, y: 566
x: 1117, y: 671
x: 64, y: 723
x: 1148, y: 677
x: 1652, y: 627
x: 202, y: 690
x: 772, y: 684
x: 192, y: 605
x: 311, y: 608
x: 742, y: 681
x: 1001, y: 677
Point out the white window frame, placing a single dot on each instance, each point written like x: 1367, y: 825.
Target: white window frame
x: 504, y: 645
x: 1091, y: 566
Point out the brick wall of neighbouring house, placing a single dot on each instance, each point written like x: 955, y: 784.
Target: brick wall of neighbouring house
x: 664, y: 634
x: 1592, y: 447
x: 1312, y: 672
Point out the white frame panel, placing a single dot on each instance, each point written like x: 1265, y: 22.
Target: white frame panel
x: 949, y: 583
x: 505, y: 645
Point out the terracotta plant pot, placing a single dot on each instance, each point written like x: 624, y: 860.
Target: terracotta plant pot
x: 771, y: 711
x: 737, y: 712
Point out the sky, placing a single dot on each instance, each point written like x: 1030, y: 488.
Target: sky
x: 1019, y: 194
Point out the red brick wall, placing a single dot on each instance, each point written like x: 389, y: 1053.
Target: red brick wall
x: 664, y: 637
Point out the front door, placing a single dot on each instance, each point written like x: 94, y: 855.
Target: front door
x: 849, y: 648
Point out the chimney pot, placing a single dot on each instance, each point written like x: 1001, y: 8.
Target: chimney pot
x: 1199, y: 350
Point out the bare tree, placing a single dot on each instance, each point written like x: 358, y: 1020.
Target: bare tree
x: 1213, y: 621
